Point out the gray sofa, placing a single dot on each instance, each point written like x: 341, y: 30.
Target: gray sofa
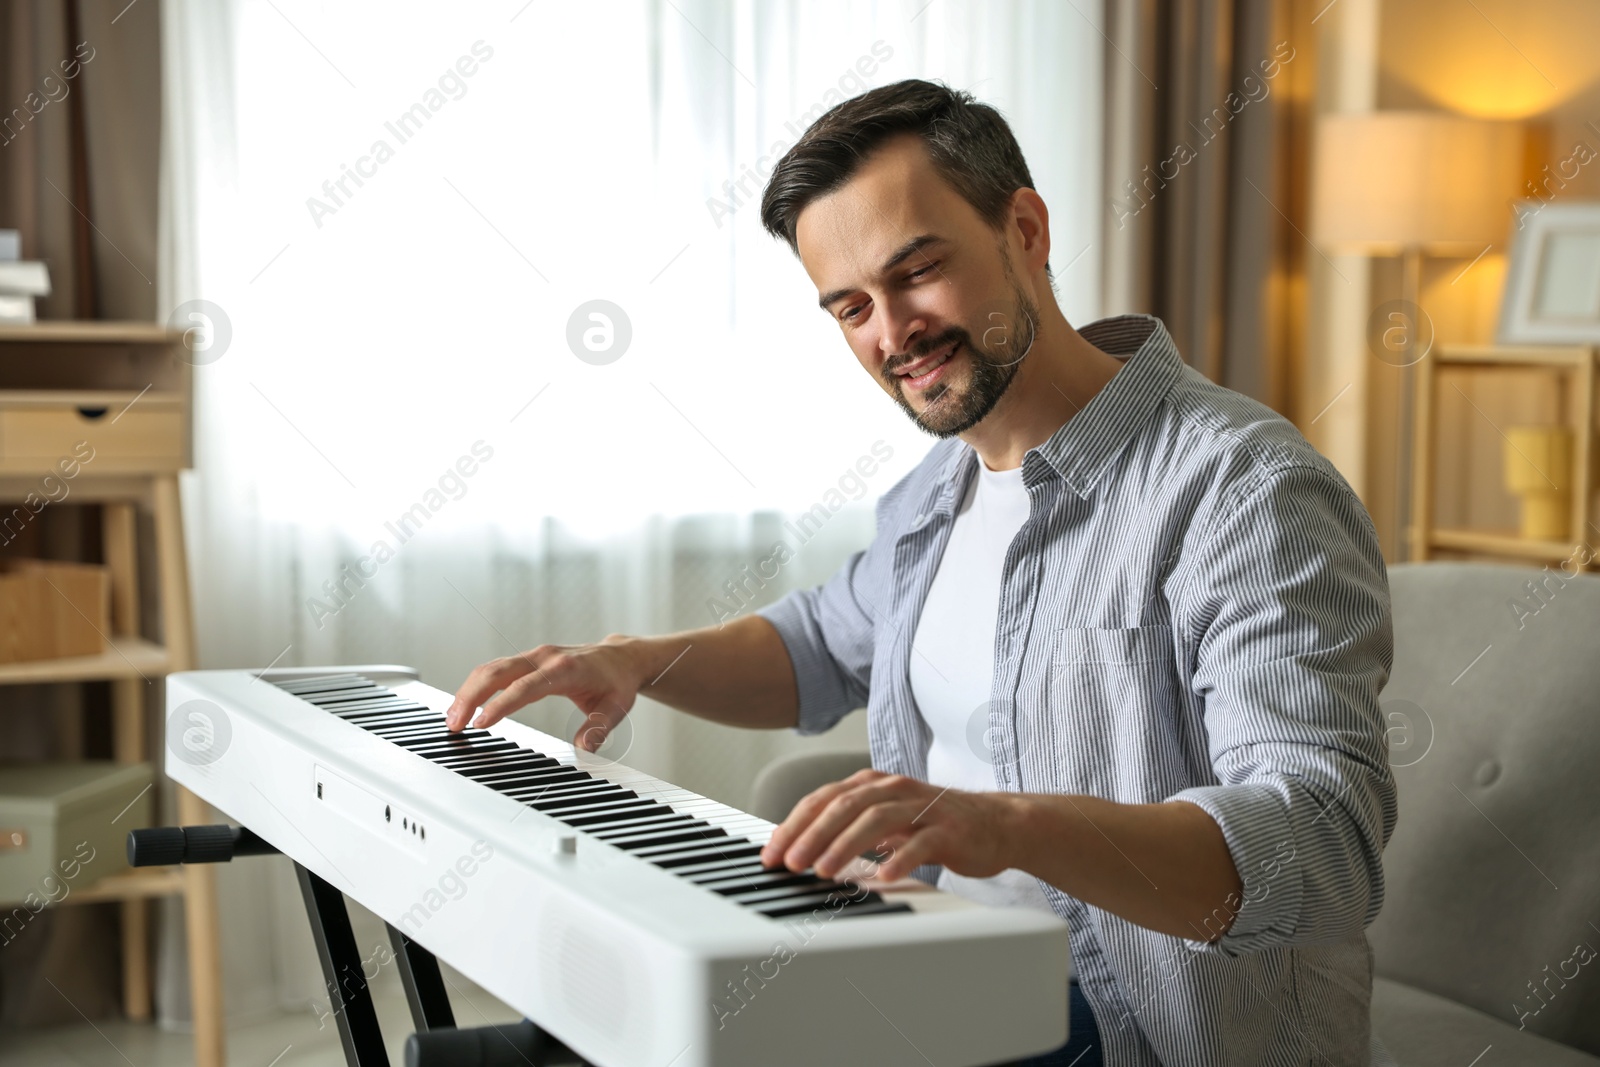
x: 1493, y: 872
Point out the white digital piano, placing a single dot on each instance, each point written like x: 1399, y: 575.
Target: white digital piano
x: 631, y: 921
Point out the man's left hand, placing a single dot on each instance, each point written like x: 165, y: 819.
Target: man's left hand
x: 910, y: 820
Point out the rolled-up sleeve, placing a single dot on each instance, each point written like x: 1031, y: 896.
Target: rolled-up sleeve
x: 830, y: 629
x: 829, y: 638
x: 1285, y: 605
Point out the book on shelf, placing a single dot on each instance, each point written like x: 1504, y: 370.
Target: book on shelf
x: 20, y: 282
x: 16, y: 310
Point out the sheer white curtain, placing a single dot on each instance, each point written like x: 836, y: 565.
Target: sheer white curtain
x: 399, y: 208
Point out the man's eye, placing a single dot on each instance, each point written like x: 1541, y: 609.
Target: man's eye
x: 924, y: 270
x: 851, y: 312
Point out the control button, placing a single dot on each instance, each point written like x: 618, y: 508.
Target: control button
x: 565, y: 845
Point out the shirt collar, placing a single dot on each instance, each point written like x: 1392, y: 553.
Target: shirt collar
x: 1082, y: 449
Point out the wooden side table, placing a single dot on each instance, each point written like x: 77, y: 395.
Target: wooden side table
x: 124, y: 391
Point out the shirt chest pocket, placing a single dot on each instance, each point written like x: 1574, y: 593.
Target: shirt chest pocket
x: 1113, y: 712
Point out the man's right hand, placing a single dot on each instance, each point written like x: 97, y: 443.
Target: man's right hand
x: 736, y: 673
x: 602, y: 679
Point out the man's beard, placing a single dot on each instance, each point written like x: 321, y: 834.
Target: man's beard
x: 948, y: 413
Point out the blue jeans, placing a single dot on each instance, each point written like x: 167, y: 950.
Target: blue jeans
x: 1083, y: 1046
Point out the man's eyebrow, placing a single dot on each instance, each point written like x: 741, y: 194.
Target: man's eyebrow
x: 900, y: 255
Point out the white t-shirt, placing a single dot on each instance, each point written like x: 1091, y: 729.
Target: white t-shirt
x: 952, y: 661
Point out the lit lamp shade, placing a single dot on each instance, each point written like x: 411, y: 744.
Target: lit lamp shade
x: 1390, y: 180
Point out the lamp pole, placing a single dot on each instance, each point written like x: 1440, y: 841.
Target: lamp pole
x: 1410, y: 294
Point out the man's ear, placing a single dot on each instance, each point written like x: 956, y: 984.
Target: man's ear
x: 1031, y: 218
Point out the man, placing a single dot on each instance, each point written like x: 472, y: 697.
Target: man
x: 1120, y: 635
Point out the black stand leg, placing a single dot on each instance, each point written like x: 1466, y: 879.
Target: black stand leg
x: 342, y: 973
x: 425, y: 992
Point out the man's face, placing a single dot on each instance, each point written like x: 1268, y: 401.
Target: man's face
x: 922, y: 289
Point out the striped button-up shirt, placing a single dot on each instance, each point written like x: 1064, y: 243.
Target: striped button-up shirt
x: 1195, y: 609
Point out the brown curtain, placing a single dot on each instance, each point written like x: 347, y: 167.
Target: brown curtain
x: 80, y: 127
x: 1207, y: 112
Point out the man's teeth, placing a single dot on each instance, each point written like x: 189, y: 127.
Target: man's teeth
x: 932, y: 366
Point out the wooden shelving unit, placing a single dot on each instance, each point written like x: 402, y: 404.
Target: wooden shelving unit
x: 1575, y: 366
x: 126, y: 390
x: 128, y: 657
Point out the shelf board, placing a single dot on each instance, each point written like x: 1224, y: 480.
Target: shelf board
x: 128, y: 657
x: 1500, y: 544
x: 116, y: 399
x: 135, y: 883
x: 93, y: 332
x: 1515, y: 355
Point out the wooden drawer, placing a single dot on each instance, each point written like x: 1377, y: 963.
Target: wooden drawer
x: 125, y: 430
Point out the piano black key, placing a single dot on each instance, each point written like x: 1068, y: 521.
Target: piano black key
x: 539, y: 772
x: 305, y: 686
x: 718, y: 869
x: 410, y: 731
x: 837, y: 902
x: 477, y: 741
x: 611, y: 832
x: 537, y: 782
x: 367, y: 703
x: 509, y: 767
x: 659, y: 818
x: 400, y: 725
x: 571, y: 816
x: 587, y: 792
x: 409, y: 736
x: 298, y: 685
x: 581, y: 801
x: 369, y: 719
x: 480, y: 738
x: 560, y: 772
x: 712, y: 854
x: 600, y: 808
x: 600, y: 819
x: 873, y: 907
x: 428, y: 747
x: 531, y: 782
x: 805, y: 887
x: 742, y: 883
x: 422, y: 730
x: 577, y: 801
x: 514, y: 769
x: 456, y: 760
x: 375, y: 707
x: 647, y: 841
x: 367, y: 712
x: 329, y: 700
x: 670, y: 860
x: 362, y: 716
x: 416, y: 724
x: 549, y: 783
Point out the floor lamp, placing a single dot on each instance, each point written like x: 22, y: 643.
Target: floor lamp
x: 1412, y: 183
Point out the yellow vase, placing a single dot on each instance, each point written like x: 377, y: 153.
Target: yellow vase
x: 1538, y: 468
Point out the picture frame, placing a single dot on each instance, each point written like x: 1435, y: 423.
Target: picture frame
x: 1552, y: 290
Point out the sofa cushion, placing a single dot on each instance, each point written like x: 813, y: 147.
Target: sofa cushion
x: 1423, y: 1030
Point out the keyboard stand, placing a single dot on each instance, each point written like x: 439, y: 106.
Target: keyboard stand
x: 342, y: 972
x: 437, y: 1041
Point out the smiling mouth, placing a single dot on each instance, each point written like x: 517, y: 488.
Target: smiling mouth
x: 922, y: 367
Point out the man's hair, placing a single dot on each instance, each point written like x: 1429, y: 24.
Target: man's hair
x: 970, y: 144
